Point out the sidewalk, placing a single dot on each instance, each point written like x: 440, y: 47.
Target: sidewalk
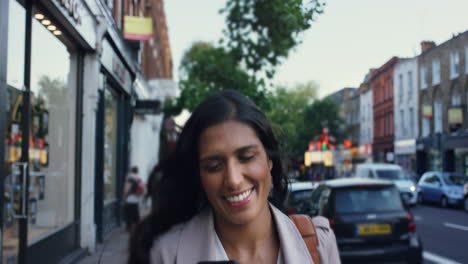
x: 113, y: 250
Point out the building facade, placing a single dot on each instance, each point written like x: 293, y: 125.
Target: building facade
x: 366, y: 120
x: 381, y: 83
x: 69, y: 83
x: 443, y: 92
x: 406, y: 112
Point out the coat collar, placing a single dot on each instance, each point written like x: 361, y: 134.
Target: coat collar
x: 197, y: 240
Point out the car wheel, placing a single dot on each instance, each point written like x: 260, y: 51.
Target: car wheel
x: 420, y: 198
x: 443, y: 202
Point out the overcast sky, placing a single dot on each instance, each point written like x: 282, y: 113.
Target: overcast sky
x: 343, y: 43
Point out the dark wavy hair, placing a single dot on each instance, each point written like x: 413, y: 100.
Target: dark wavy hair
x: 179, y: 195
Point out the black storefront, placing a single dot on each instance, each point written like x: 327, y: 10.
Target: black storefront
x: 113, y: 121
x: 41, y: 72
x: 442, y: 152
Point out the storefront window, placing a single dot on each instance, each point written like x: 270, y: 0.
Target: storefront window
x: 52, y: 127
x: 435, y: 160
x: 110, y: 146
x: 16, y: 44
x: 461, y: 160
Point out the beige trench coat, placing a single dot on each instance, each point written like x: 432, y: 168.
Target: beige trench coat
x: 194, y: 241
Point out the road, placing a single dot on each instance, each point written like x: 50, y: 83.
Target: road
x: 444, y: 233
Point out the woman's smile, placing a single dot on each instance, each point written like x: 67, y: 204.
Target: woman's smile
x: 241, y: 199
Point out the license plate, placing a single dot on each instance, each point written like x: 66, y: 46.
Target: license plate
x: 374, y: 229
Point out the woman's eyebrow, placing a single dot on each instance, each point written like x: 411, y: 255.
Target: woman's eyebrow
x: 246, y: 148
x: 211, y: 158
x: 220, y: 157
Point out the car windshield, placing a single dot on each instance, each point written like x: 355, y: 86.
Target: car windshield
x: 365, y: 200
x: 299, y: 196
x: 455, y: 179
x: 390, y: 174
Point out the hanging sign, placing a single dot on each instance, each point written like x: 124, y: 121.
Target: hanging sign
x: 138, y: 28
x: 427, y: 111
x: 455, y: 115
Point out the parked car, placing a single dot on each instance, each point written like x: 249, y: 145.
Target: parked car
x: 445, y: 188
x: 391, y: 172
x: 370, y: 221
x: 299, y: 197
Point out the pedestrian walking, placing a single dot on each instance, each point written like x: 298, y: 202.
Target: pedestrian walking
x: 134, y: 189
x: 221, y: 193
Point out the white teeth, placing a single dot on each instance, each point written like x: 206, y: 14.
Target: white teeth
x: 240, y: 197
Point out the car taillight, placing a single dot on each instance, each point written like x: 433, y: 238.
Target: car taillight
x: 411, y: 223
x: 291, y: 211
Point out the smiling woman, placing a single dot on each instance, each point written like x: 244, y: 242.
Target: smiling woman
x: 219, y: 194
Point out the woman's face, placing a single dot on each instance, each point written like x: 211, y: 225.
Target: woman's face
x: 235, y: 171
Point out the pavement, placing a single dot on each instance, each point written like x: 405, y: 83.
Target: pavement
x: 113, y: 250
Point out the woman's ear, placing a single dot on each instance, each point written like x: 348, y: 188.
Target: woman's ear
x: 270, y: 164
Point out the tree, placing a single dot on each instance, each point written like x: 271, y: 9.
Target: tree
x: 206, y: 69
x: 287, y: 116
x: 262, y: 32
x: 259, y: 35
x: 320, y: 114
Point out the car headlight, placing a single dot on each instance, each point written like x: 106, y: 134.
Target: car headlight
x: 412, y: 188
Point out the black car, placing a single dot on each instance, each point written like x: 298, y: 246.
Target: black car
x: 370, y: 220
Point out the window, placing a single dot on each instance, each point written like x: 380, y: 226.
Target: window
x: 454, y: 64
x: 402, y: 123
x: 437, y: 116
x: 400, y: 87
x: 426, y: 127
x: 410, y: 84
x: 466, y: 59
x: 435, y: 71
x: 110, y: 146
x: 456, y: 100
x: 423, y: 77
x: 411, y: 122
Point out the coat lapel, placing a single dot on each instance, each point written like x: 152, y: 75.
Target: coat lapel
x: 292, y: 245
x: 197, y: 240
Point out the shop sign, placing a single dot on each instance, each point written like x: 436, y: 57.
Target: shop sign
x: 138, y: 28
x: 427, y: 111
x: 115, y: 66
x: 455, y: 116
x: 82, y: 19
x: 73, y: 8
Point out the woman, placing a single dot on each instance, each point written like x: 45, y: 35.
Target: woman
x: 219, y: 195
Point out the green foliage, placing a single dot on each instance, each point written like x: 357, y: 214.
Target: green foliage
x: 320, y: 114
x: 288, y: 107
x: 261, y: 32
x: 298, y: 118
x: 206, y: 69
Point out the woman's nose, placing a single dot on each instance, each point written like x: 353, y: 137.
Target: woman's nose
x: 233, y: 177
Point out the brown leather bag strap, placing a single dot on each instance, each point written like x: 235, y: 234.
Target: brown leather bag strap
x: 306, y: 227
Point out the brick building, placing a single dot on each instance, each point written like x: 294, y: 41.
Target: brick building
x: 381, y: 83
x: 443, y: 93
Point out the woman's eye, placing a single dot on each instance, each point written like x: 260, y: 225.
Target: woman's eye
x: 246, y: 158
x: 213, y: 167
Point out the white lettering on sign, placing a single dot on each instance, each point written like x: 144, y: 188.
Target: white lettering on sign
x: 73, y: 8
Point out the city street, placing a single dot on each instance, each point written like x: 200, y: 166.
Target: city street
x: 444, y: 233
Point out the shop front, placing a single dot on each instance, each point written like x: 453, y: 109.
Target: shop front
x: 405, y: 154
x: 39, y: 90
x: 114, y: 118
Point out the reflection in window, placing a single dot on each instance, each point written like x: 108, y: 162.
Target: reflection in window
x: 16, y: 44
x: 52, y: 146
x: 110, y: 146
